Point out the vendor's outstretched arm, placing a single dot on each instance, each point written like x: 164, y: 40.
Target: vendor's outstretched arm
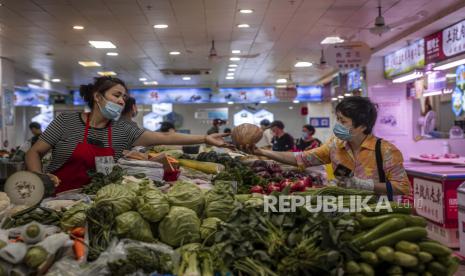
x: 149, y: 138
x: 280, y: 156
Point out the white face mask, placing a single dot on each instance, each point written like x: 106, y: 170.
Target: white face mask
x: 110, y: 110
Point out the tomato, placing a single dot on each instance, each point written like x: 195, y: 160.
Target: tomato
x: 257, y: 189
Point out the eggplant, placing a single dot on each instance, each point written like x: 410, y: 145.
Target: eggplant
x: 259, y: 163
x: 259, y: 169
x: 264, y: 174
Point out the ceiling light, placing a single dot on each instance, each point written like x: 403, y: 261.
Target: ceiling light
x: 432, y: 93
x: 36, y: 81
x: 291, y: 107
x: 230, y: 102
x: 142, y: 79
x: 234, y: 59
x: 334, y: 99
x: 112, y: 54
x: 301, y: 64
x: 89, y: 63
x: 78, y: 27
x: 55, y: 80
x: 230, y: 74
x: 246, y: 11
x: 411, y: 76
x: 281, y: 81
x: 451, y: 76
x: 229, y: 78
x: 231, y: 69
x: 340, y: 97
x: 186, y: 78
x: 106, y: 73
x: 175, y: 53
x: 447, y: 91
x: 102, y: 44
x: 347, y: 94
x: 150, y: 83
x: 450, y: 65
x: 160, y: 26
x: 232, y: 65
x: 332, y: 40
x: 243, y: 26
x: 295, y: 101
x: 263, y: 102
x: 236, y: 51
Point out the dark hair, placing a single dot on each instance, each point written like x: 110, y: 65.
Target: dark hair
x: 218, y: 121
x: 310, y: 128
x: 277, y: 124
x: 34, y: 125
x: 100, y: 85
x: 360, y: 110
x: 166, y: 126
x: 265, y: 122
x: 128, y: 104
x: 227, y: 130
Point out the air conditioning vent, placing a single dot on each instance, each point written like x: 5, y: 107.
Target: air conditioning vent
x: 186, y: 72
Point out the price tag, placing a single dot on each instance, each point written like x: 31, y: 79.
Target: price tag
x: 104, y: 164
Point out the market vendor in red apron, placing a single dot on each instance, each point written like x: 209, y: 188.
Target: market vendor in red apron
x: 82, y: 141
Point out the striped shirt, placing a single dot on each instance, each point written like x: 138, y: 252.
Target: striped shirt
x: 67, y: 130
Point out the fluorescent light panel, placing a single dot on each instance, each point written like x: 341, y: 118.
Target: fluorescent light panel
x: 106, y: 73
x: 332, y: 40
x: 281, y: 81
x: 450, y: 65
x: 411, y: 76
x: 301, y: 64
x: 89, y: 63
x: 102, y: 44
x: 160, y: 26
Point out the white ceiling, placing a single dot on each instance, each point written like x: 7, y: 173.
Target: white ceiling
x: 282, y: 31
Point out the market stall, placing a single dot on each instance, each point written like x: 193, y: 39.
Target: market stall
x: 204, y: 214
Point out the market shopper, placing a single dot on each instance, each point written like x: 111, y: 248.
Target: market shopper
x: 167, y: 127
x: 129, y: 111
x: 265, y: 142
x: 79, y: 140
x: 307, y: 141
x: 217, y: 123
x: 281, y: 141
x: 36, y: 130
x: 352, y: 151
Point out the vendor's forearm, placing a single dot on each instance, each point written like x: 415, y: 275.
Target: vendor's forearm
x: 280, y: 156
x: 150, y: 138
x: 33, y: 162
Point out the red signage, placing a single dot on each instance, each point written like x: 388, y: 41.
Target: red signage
x: 433, y: 48
x: 445, y: 44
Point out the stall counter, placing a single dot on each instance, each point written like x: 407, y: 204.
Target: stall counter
x: 434, y: 194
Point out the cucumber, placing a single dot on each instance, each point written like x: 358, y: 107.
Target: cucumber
x: 369, y: 257
x: 385, y: 253
x: 379, y: 231
x: 352, y: 267
x: 437, y: 269
x: 366, y: 269
x: 445, y: 260
x: 435, y: 249
x: 451, y: 269
x: 419, y: 268
x: 369, y: 222
x: 425, y: 257
x: 394, y: 269
x: 407, y: 247
x: 414, y: 233
x: 396, y: 209
x: 405, y: 260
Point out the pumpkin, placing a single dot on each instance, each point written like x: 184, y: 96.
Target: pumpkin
x: 246, y: 134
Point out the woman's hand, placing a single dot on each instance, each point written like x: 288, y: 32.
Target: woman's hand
x: 251, y: 149
x: 56, y: 181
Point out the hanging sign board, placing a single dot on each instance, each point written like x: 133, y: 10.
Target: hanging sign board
x: 348, y: 55
x: 445, y: 44
x: 212, y: 113
x: 405, y: 60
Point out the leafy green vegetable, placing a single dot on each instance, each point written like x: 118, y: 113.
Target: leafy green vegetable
x: 180, y: 226
x: 119, y: 196
x: 99, y: 180
x: 186, y: 194
x: 132, y: 226
x: 209, y: 227
x: 74, y: 216
x: 153, y: 205
x: 220, y: 201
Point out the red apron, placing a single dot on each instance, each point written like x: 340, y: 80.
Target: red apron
x: 73, y: 174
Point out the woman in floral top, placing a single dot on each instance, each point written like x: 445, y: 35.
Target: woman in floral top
x: 352, y: 147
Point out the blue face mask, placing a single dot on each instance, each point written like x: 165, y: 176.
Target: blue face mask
x: 111, y: 110
x: 305, y: 135
x: 342, y: 132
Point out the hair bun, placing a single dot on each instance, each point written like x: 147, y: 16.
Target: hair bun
x: 85, y: 91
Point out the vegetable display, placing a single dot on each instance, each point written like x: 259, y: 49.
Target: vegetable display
x: 180, y: 226
x: 152, y: 205
x: 186, y: 194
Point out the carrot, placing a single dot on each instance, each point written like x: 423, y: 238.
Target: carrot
x: 79, y: 248
x: 78, y: 232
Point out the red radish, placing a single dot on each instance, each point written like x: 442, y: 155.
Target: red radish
x: 273, y: 188
x: 298, y: 186
x: 285, y: 182
x: 257, y: 189
x: 308, y: 181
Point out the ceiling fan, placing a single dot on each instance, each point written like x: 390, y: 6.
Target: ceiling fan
x: 213, y: 54
x: 323, y: 64
x: 380, y: 27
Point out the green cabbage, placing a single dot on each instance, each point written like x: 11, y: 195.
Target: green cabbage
x: 132, y: 226
x: 187, y: 194
x: 208, y: 227
x: 121, y: 198
x: 180, y: 226
x: 220, y: 201
x: 153, y: 205
x: 74, y: 216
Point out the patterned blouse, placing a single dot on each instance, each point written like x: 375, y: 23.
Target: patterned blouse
x: 336, y: 152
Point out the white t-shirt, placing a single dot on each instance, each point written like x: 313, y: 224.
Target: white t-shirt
x: 266, y: 139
